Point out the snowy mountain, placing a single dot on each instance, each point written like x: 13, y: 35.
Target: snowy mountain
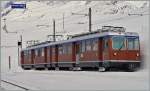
x: 41, y: 13
x: 35, y: 22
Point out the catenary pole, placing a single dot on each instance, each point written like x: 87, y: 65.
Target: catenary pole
x: 54, y: 39
x: 90, y: 24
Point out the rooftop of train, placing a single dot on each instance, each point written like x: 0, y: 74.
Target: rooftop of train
x: 105, y: 31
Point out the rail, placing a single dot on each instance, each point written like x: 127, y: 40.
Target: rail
x: 15, y: 85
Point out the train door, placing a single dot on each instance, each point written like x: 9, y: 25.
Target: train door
x: 45, y: 54
x: 32, y: 56
x: 22, y: 57
x: 105, y: 52
x: 100, y: 49
x: 77, y: 51
x: 49, y: 54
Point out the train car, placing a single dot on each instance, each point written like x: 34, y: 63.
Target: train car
x: 26, y: 59
x: 103, y: 49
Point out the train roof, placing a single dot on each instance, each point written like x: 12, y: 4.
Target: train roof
x: 79, y: 38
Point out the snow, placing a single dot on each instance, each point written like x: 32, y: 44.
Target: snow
x: 80, y: 80
x: 7, y: 86
x: 138, y: 3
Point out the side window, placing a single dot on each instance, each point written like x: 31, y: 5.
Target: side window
x: 133, y: 44
x: 48, y: 50
x: 29, y: 52
x: 82, y: 46
x: 36, y: 52
x: 66, y: 49
x: 95, y: 44
x: 53, y: 50
x: 88, y: 45
x: 60, y: 49
x: 39, y: 52
x: 70, y: 48
x: 25, y: 53
x: 42, y: 51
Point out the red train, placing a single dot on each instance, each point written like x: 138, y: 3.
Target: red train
x: 102, y: 49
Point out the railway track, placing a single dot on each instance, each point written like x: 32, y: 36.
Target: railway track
x: 16, y: 85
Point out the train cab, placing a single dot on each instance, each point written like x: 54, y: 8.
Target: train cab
x: 122, y: 50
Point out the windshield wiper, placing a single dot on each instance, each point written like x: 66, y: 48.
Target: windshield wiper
x: 121, y: 46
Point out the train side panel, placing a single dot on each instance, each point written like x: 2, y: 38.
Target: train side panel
x: 54, y: 56
x: 39, y: 58
x: 65, y: 55
x: 90, y: 52
x: 22, y: 57
x: 26, y: 62
x: 49, y: 56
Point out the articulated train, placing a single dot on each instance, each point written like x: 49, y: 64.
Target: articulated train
x: 102, y: 49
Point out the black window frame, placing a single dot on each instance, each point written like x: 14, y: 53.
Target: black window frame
x: 94, y: 42
x: 131, y: 37
x: 122, y: 47
x: 88, y: 44
x: 82, y: 46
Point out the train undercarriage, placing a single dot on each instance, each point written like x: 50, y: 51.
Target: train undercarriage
x: 99, y: 66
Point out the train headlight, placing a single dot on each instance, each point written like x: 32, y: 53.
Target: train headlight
x: 81, y: 55
x: 137, y: 54
x: 115, y: 54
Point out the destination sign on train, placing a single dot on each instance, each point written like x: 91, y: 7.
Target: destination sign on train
x: 18, y: 6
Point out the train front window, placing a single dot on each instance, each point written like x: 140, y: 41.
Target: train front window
x: 118, y: 42
x: 133, y: 43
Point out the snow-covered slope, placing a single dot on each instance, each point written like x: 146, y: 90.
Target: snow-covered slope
x: 35, y: 22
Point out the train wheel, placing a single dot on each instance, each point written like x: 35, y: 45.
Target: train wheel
x: 57, y: 68
x: 22, y: 67
x: 49, y: 68
x: 71, y: 68
x: 102, y: 69
x: 131, y: 68
x: 77, y: 68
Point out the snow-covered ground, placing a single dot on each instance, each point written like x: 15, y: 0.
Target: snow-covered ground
x: 27, y: 23
x: 6, y: 86
x: 79, y: 80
